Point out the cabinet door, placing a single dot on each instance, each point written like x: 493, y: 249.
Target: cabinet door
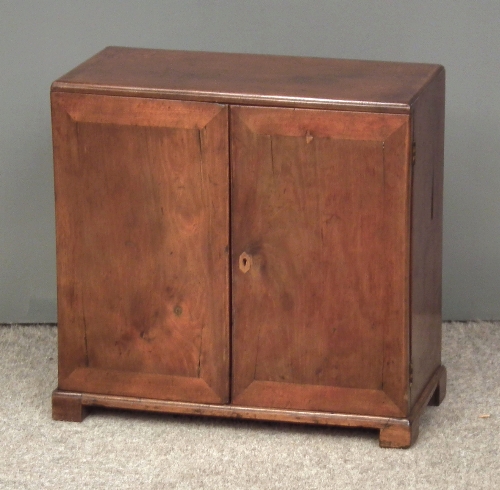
x: 320, y: 254
x: 142, y: 246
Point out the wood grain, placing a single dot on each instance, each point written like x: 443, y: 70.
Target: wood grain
x: 68, y: 406
x: 325, y: 219
x: 126, y: 111
x: 394, y: 432
x: 318, y: 301
x: 251, y: 79
x: 317, y: 397
x: 142, y: 237
x: 427, y: 231
x: 142, y: 384
x: 399, y: 436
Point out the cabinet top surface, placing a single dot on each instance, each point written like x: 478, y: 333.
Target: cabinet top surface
x: 287, y: 81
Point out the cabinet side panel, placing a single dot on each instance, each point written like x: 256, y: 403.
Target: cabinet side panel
x: 143, y: 222
x: 427, y: 225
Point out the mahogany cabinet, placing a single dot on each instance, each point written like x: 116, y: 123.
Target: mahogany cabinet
x: 250, y: 236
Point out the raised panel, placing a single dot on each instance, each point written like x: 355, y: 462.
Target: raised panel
x: 142, y: 241
x: 320, y: 254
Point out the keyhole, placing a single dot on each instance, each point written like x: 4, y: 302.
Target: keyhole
x: 245, y: 262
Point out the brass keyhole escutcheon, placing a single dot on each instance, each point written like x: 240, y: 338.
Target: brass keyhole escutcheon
x: 245, y: 262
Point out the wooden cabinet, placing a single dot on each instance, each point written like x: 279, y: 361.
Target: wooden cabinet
x: 250, y: 236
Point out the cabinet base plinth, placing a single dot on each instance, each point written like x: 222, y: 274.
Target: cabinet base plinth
x: 399, y: 435
x: 404, y: 435
x: 440, y: 391
x: 394, y: 432
x: 68, y: 406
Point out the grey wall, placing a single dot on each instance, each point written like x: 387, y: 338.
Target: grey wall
x: 41, y: 40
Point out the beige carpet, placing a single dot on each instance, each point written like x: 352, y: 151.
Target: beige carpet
x: 118, y: 450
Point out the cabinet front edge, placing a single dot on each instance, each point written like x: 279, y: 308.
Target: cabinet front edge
x: 233, y: 98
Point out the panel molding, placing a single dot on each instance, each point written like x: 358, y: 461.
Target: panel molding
x: 133, y: 111
x: 140, y: 384
x: 309, y: 124
x: 318, y: 398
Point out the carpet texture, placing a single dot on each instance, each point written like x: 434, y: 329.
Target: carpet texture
x: 457, y: 447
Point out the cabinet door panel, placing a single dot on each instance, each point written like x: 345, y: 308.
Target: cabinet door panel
x: 320, y: 227
x: 143, y: 269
